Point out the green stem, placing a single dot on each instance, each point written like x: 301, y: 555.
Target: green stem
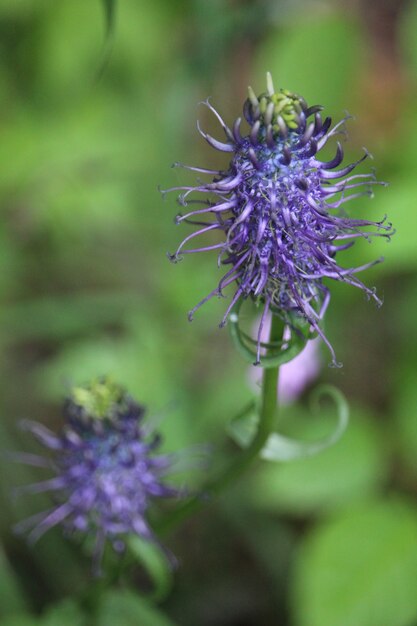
x: 238, y: 466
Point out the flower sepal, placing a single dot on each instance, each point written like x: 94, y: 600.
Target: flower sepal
x: 279, y: 352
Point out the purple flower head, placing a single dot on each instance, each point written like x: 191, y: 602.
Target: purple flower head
x: 279, y: 209
x: 105, y: 465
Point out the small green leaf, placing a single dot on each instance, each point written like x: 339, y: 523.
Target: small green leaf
x: 359, y: 569
x: 153, y: 559
x: 125, y: 608
x: 280, y: 448
x: 242, y: 428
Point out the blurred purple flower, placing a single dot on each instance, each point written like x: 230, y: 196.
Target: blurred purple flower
x: 296, y: 375
x: 105, y: 465
x: 280, y: 210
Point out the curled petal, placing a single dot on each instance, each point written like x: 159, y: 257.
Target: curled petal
x: 214, y: 143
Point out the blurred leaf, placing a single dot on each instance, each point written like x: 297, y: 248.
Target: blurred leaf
x: 132, y: 360
x: 67, y: 574
x: 397, y: 202
x: 270, y: 540
x: 124, y: 608
x: 155, y: 562
x: 67, y: 613
x: 142, y: 360
x: 405, y: 420
x: 20, y: 619
x: 407, y: 31
x: 68, y: 50
x: 283, y: 449
x: 280, y: 448
x: 64, y: 316
x: 242, y: 428
x: 109, y: 7
x: 11, y: 596
x: 349, y: 470
x: 146, y: 40
x: 359, y: 569
x: 316, y: 56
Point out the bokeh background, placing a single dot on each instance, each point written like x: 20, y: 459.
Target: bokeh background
x: 92, y: 115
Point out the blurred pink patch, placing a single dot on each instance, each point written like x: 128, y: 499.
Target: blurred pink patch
x: 295, y: 376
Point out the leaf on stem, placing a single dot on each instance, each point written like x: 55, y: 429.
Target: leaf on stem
x: 125, y: 608
x: 280, y: 448
x: 152, y: 558
x: 283, y: 449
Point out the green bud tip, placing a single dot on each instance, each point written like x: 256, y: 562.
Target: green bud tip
x: 273, y: 104
x: 100, y: 398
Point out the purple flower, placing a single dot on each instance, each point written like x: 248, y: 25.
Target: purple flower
x: 105, y: 465
x: 280, y: 210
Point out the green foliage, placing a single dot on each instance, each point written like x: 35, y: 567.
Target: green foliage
x: 280, y: 448
x: 20, y: 619
x: 359, y: 569
x: 66, y: 613
x: 350, y: 470
x: 129, y: 609
x: 401, y: 253
x: 321, y: 77
x: 405, y: 412
x: 109, y: 7
x: 156, y: 564
x: 12, y: 598
x: 408, y: 25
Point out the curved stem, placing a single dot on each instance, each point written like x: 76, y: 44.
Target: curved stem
x: 239, y: 465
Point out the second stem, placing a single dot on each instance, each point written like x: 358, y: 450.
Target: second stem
x: 238, y: 466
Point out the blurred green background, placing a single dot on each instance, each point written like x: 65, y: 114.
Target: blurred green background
x: 89, y: 126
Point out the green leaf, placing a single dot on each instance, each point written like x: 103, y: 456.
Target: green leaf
x: 242, y: 428
x: 60, y: 317
x: 408, y: 26
x: 67, y: 613
x: 109, y: 7
x: 11, y: 596
x: 281, y: 448
x: 153, y: 559
x: 359, y: 569
x: 20, y: 619
x: 124, y: 608
x: 110, y: 17
x: 405, y: 421
x: 346, y: 472
x: 316, y: 55
x: 397, y: 202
